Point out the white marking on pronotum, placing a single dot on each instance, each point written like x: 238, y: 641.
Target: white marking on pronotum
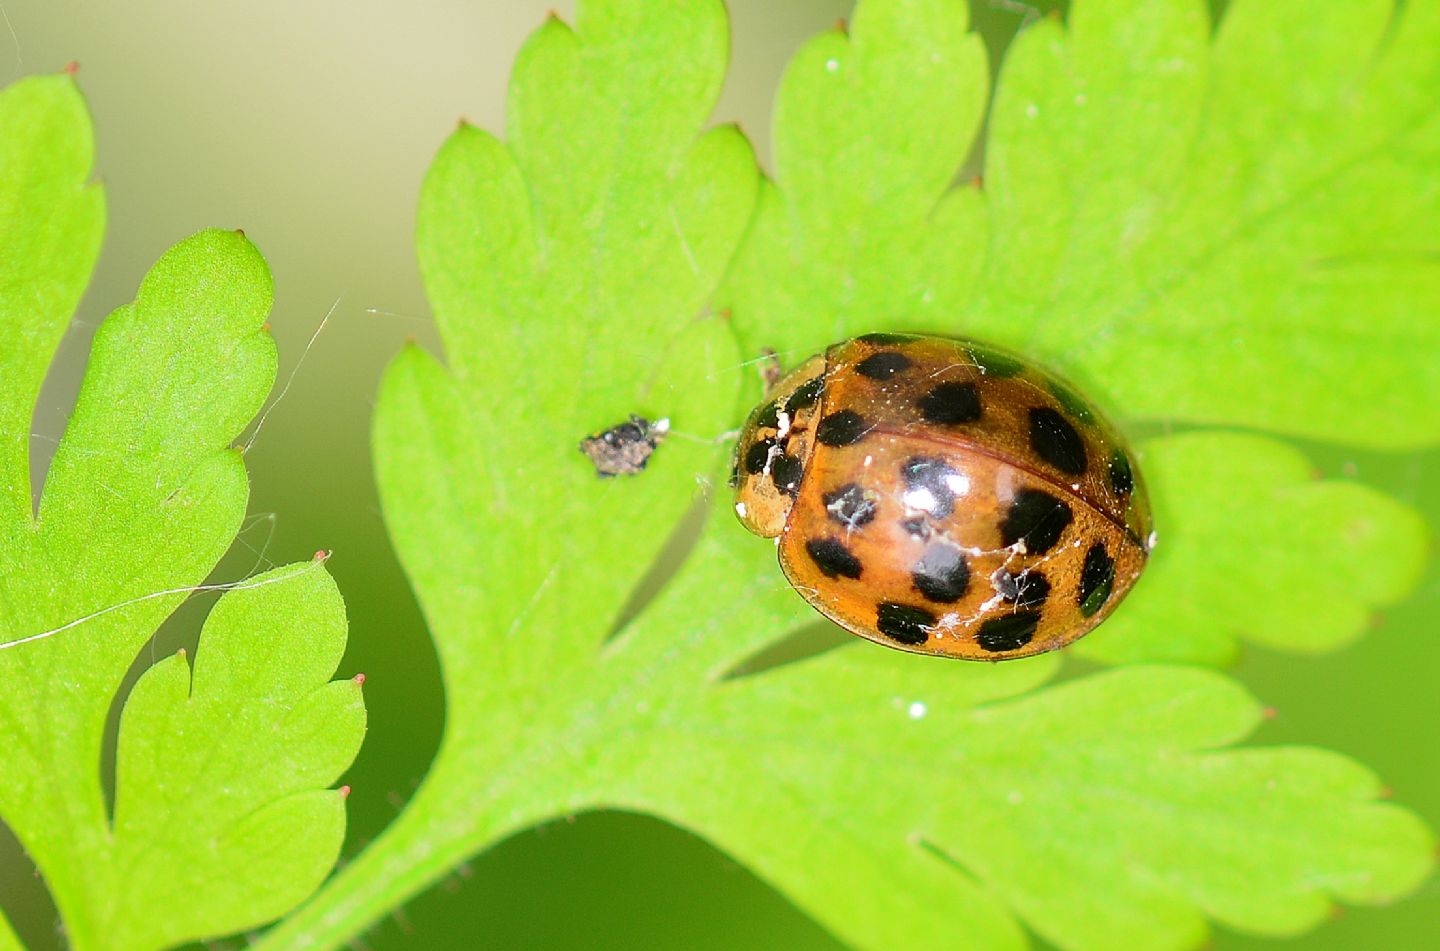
x: 320, y: 558
x: 260, y: 423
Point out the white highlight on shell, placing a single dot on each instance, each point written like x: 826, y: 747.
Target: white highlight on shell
x: 919, y: 500
x: 1151, y: 541
x: 740, y: 509
x: 957, y: 483
x: 784, y: 422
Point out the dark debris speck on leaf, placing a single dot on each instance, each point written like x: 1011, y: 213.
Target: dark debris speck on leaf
x: 624, y: 449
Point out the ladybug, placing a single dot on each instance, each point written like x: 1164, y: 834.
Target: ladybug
x: 942, y: 496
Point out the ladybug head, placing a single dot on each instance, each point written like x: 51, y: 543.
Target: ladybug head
x: 773, y: 449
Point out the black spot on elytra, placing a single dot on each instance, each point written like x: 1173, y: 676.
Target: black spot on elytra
x: 841, y: 429
x: 885, y: 340
x: 1097, y: 579
x: 1037, y: 517
x: 934, y: 476
x: 785, y: 472
x: 833, y: 558
x: 1122, y: 480
x: 951, y: 403
x: 1074, y: 405
x: 805, y: 394
x: 903, y: 623
x: 1027, y: 589
x: 1056, y: 441
x: 941, y: 574
x: 1008, y: 633
x: 883, y: 365
x: 758, y: 454
x: 768, y: 417
x: 851, y: 506
x: 994, y: 364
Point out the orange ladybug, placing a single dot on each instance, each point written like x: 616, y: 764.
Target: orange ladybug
x: 944, y: 497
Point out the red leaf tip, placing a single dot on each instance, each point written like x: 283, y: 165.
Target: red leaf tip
x: 72, y: 67
x: 359, y: 680
x: 322, y: 556
x: 1269, y: 713
x: 344, y: 792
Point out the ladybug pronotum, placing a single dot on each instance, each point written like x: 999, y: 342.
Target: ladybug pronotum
x: 941, y: 496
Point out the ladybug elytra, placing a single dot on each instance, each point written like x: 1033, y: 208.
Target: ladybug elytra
x: 941, y: 496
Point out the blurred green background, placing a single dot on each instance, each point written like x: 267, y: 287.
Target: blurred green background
x: 310, y: 125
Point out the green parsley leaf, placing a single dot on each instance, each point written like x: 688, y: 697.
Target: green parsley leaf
x: 218, y: 792
x: 1261, y: 550
x: 1234, y: 229
x: 903, y: 801
x: 51, y: 222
